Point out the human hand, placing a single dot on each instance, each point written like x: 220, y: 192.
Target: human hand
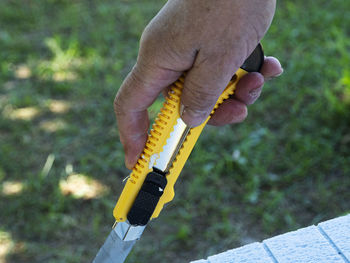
x: 208, y: 39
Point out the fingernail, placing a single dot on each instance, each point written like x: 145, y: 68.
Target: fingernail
x: 279, y: 74
x: 130, y: 159
x: 182, y: 108
x: 275, y: 76
x: 271, y: 78
x: 192, y: 117
x: 130, y: 163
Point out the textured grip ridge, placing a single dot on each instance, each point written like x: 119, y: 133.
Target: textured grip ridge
x: 160, y: 124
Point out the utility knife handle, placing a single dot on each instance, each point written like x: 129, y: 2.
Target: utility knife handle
x: 157, y: 138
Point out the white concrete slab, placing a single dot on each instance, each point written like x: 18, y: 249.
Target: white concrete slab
x: 252, y: 253
x: 329, y: 242
x: 306, y: 245
x: 338, y: 231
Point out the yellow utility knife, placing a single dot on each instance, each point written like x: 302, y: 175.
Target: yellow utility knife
x: 151, y: 182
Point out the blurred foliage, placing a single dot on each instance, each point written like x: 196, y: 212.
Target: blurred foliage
x: 61, y: 63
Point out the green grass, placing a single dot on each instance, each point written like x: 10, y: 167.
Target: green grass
x: 61, y: 63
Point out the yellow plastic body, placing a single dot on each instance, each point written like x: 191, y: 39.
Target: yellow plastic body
x: 160, y: 132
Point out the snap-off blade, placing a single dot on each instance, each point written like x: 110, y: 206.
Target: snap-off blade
x: 114, y: 250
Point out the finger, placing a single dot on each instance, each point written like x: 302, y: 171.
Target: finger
x: 203, y: 85
x: 249, y: 88
x: 271, y: 68
x: 230, y: 111
x: 138, y: 91
x: 248, y: 91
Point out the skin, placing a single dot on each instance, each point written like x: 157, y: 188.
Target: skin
x: 209, y: 40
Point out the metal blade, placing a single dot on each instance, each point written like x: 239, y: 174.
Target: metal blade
x: 114, y: 250
x: 164, y: 160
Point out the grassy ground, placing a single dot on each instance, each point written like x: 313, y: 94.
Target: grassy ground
x: 61, y: 63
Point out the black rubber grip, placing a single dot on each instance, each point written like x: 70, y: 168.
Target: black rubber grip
x: 147, y: 199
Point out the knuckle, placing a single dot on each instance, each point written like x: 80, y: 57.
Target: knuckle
x: 120, y: 101
x: 149, y: 42
x: 146, y: 42
x: 134, y: 78
x: 117, y: 105
x: 199, y: 97
x: 147, y: 34
x: 257, y: 32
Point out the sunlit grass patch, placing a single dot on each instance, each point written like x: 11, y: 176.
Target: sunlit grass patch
x: 64, y: 63
x: 6, y: 244
x: 82, y: 186
x: 11, y: 188
x: 25, y: 114
x: 64, y: 76
x: 59, y: 106
x: 23, y: 72
x: 53, y: 125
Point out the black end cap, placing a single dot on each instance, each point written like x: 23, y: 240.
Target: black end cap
x: 255, y: 61
x: 147, y: 199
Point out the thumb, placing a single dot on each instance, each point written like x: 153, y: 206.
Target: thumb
x: 138, y: 91
x: 203, y: 85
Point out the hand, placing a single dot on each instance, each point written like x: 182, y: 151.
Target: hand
x: 208, y: 39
